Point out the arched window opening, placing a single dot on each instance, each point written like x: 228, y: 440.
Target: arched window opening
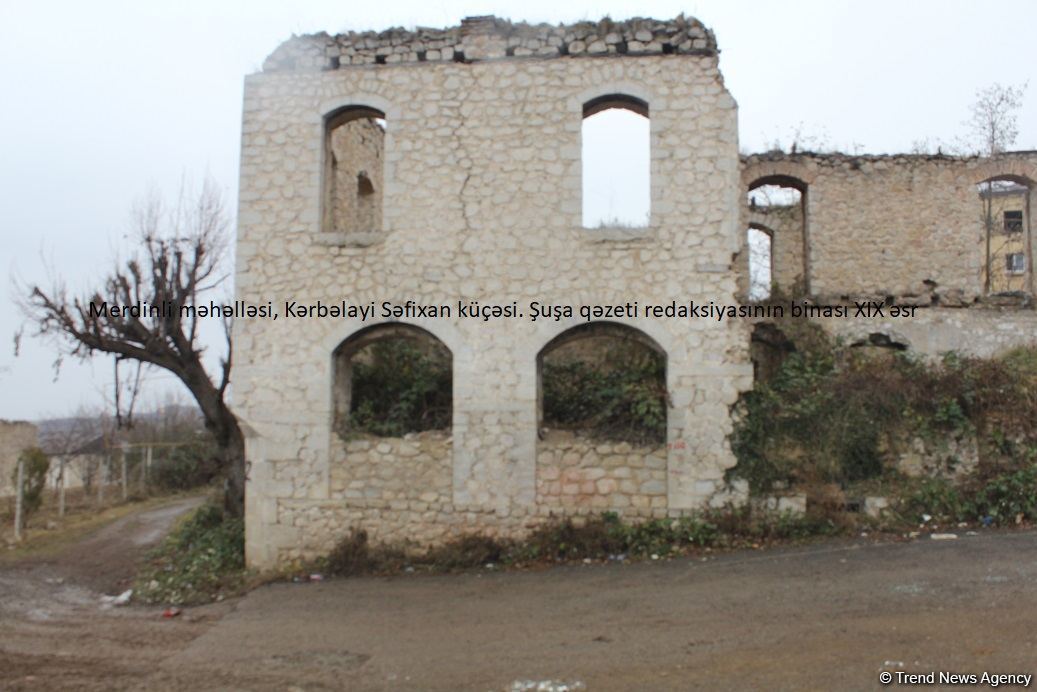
x: 603, y: 422
x: 354, y: 152
x: 1005, y: 219
x: 391, y: 380
x: 777, y: 206
x: 760, y: 272
x: 605, y: 381
x: 616, y: 155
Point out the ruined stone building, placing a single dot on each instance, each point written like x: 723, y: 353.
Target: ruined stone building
x: 439, y: 166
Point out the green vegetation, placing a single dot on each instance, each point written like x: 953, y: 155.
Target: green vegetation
x: 1005, y: 499
x: 833, y: 414
x: 201, y: 560
x: 619, y: 395
x: 187, y: 466
x: 401, y: 386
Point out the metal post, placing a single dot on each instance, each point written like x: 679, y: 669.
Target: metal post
x: 19, y: 492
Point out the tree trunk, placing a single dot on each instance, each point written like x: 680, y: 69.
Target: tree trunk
x: 234, y: 487
x: 220, y: 421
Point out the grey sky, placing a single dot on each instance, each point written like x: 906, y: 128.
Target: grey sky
x: 105, y: 100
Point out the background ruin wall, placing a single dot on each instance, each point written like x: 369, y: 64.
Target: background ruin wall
x: 904, y: 230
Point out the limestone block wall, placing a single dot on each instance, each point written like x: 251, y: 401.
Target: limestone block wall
x: 978, y: 331
x: 393, y: 473
x: 900, y: 225
x: 15, y: 436
x: 580, y: 476
x: 481, y: 203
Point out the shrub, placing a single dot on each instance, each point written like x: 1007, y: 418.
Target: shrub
x: 188, y: 466
x: 1007, y: 496
x: 401, y: 386
x: 355, y: 555
x: 621, y: 395
x: 1003, y: 498
x: 472, y: 550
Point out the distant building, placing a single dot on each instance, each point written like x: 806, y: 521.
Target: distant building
x: 15, y: 437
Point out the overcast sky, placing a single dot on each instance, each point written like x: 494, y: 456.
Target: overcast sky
x: 104, y: 100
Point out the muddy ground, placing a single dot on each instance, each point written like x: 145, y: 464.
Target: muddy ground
x: 827, y: 616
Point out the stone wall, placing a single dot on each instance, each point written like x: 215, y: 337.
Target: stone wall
x: 980, y: 330
x: 482, y: 202
x: 580, y: 476
x: 15, y: 436
x: 907, y: 226
x: 411, y: 473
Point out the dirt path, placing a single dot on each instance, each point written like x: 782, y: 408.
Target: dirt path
x: 828, y: 616
x: 106, y: 559
x: 55, y: 632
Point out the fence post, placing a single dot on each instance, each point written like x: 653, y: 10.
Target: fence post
x: 19, y: 493
x: 102, y: 466
x: 141, y: 470
x: 124, y: 455
x: 61, y: 487
x: 147, y: 466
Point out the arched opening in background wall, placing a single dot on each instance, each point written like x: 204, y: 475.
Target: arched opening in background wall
x: 603, y: 411
x: 391, y: 380
x: 616, y: 156
x: 1007, y: 236
x: 354, y: 162
x: 760, y: 262
x: 778, y: 206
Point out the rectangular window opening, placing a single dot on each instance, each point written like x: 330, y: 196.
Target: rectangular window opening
x: 1013, y: 222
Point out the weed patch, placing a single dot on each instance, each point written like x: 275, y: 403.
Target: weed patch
x: 200, y: 561
x: 599, y: 538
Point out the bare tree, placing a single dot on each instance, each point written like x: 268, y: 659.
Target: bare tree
x: 157, y: 292
x: 994, y: 122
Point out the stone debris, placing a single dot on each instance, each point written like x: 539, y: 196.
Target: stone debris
x: 545, y: 686
x: 120, y: 600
